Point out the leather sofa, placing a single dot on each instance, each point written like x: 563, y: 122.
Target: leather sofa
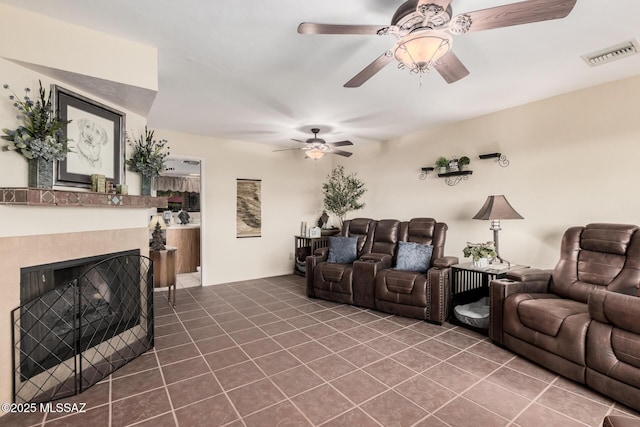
x: 576, y: 319
x: 371, y: 281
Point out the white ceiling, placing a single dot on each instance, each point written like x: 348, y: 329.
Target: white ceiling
x: 239, y: 70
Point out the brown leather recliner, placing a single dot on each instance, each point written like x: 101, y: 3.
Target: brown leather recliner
x: 334, y: 281
x: 613, y: 347
x: 544, y: 316
x: 421, y: 295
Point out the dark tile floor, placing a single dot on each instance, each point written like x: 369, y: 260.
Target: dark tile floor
x: 260, y: 353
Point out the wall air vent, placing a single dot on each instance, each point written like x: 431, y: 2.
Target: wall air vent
x: 612, y: 53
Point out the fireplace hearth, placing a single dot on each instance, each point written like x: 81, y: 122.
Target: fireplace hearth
x: 79, y: 321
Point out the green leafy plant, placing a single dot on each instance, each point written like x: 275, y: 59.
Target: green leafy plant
x: 40, y: 135
x: 148, y: 155
x: 342, y: 193
x: 464, y: 161
x: 442, y: 162
x: 479, y: 250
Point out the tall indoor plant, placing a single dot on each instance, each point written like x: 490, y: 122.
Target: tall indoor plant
x: 342, y: 193
x: 147, y: 157
x: 40, y: 138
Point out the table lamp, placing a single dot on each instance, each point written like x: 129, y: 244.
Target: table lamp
x: 157, y: 224
x: 495, y: 209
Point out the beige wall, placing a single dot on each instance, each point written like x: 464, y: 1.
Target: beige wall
x: 290, y: 194
x: 572, y: 162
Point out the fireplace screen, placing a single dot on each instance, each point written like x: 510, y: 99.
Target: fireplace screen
x: 80, y: 321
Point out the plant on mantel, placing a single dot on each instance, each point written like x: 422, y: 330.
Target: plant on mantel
x: 147, y: 157
x: 40, y: 138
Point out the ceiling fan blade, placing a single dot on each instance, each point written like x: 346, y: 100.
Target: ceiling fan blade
x: 286, y: 149
x: 341, y: 153
x: 313, y: 28
x: 370, y: 70
x: 298, y: 140
x: 451, y: 68
x: 339, y: 143
x: 519, y: 13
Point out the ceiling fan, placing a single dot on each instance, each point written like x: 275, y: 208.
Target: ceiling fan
x: 315, y: 148
x: 423, y: 30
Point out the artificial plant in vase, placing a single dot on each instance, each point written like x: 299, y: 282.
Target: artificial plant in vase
x: 342, y: 193
x: 481, y: 253
x: 147, y: 157
x: 40, y: 138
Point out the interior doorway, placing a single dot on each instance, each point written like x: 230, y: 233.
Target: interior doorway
x: 182, y: 183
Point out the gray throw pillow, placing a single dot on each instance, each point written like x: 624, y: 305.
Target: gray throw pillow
x: 413, y: 257
x: 343, y: 250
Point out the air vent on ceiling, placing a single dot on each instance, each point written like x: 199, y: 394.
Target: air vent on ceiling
x: 612, y: 53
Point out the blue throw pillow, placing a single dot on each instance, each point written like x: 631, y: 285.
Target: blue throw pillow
x: 413, y: 257
x: 343, y: 250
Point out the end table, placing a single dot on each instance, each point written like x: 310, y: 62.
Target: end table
x: 164, y: 270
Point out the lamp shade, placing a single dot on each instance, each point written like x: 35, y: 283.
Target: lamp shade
x: 315, y: 153
x: 420, y: 50
x: 497, y: 207
x: 157, y: 220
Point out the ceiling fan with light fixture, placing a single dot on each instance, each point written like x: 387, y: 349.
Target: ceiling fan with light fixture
x: 315, y: 148
x: 423, y: 30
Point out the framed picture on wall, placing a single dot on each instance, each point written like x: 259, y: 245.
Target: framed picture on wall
x: 248, y: 208
x: 96, y: 137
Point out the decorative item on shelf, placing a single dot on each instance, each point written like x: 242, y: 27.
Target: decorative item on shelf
x: 464, y: 162
x: 315, y: 232
x: 39, y: 139
x: 482, y: 253
x: 500, y: 158
x: 496, y: 208
x: 122, y: 189
x: 148, y: 158
x: 98, y: 183
x: 157, y: 225
x: 342, y: 193
x: 453, y: 165
x: 442, y: 163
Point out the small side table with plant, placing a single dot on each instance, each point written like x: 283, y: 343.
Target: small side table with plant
x: 40, y: 138
x: 147, y: 157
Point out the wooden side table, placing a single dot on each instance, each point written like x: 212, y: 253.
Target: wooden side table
x: 164, y: 270
x: 305, y: 246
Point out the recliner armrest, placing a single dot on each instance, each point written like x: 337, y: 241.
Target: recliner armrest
x: 445, y: 261
x: 322, y: 252
x: 320, y: 255
x: 373, y: 257
x: 365, y: 270
x: 518, y: 281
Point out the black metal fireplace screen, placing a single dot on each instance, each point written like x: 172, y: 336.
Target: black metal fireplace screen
x: 74, y: 335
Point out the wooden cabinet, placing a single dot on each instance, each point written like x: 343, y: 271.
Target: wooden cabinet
x: 187, y: 240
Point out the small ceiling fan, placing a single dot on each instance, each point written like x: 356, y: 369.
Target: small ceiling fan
x: 315, y: 148
x: 423, y: 30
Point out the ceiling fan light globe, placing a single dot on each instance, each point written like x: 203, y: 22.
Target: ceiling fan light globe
x: 418, y: 51
x: 315, y: 153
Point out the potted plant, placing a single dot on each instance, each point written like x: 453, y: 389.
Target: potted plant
x: 464, y: 162
x: 40, y: 138
x: 442, y: 163
x: 480, y: 252
x: 342, y: 193
x: 147, y: 157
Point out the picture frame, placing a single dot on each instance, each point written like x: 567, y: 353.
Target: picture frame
x: 96, y: 134
x: 248, y: 208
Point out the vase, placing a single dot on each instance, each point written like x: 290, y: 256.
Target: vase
x: 147, y: 181
x: 481, y: 262
x: 40, y: 173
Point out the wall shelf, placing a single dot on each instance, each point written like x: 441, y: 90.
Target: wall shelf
x: 453, y: 178
x: 17, y: 196
x: 500, y: 158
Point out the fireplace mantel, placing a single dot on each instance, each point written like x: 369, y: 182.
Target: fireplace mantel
x: 42, y: 197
